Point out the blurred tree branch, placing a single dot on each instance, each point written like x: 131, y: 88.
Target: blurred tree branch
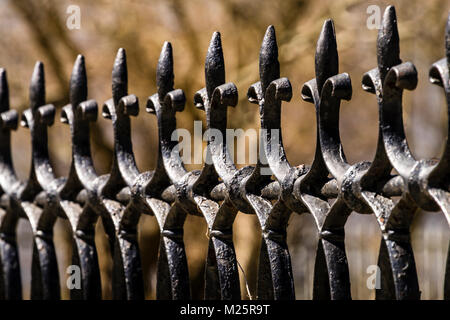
x: 42, y: 21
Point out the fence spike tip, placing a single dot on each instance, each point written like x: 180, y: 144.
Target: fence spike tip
x: 4, y: 91
x: 120, y: 76
x: 326, y: 58
x: 269, y: 67
x: 164, y: 71
x: 388, y: 43
x: 214, y: 64
x: 37, y: 86
x: 78, y: 82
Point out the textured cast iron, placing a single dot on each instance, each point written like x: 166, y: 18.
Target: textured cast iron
x: 330, y: 188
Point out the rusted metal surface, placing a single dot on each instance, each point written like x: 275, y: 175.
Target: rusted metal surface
x: 330, y: 189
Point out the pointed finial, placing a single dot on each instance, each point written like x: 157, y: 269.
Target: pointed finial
x: 447, y: 40
x: 4, y: 91
x: 78, y: 82
x: 37, y: 86
x: 120, y: 76
x: 269, y: 67
x: 388, y: 43
x: 164, y: 71
x: 214, y: 65
x: 326, y: 59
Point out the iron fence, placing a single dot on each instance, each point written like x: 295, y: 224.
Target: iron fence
x: 330, y: 188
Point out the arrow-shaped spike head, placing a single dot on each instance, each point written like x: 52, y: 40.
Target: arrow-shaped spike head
x: 269, y: 67
x: 4, y: 91
x: 447, y: 40
x: 214, y: 65
x: 164, y: 71
x: 120, y: 76
x: 326, y: 59
x: 78, y: 82
x: 37, y: 86
x: 388, y: 43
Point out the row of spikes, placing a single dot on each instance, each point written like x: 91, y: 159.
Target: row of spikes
x: 326, y: 63
x: 326, y: 66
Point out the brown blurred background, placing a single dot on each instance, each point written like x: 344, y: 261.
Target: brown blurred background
x: 36, y: 30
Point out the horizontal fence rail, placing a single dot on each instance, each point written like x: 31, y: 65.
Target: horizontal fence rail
x: 329, y: 189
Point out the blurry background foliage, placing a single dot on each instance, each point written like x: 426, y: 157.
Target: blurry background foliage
x: 36, y: 30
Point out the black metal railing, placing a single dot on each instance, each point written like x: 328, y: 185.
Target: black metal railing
x: 330, y: 188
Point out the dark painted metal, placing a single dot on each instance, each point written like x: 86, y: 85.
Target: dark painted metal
x: 331, y: 275
x: 275, y: 278
x: 11, y: 186
x: 41, y: 183
x: 82, y: 217
x: 221, y: 275
x: 127, y: 271
x: 396, y: 259
x: 330, y: 189
x: 151, y: 187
